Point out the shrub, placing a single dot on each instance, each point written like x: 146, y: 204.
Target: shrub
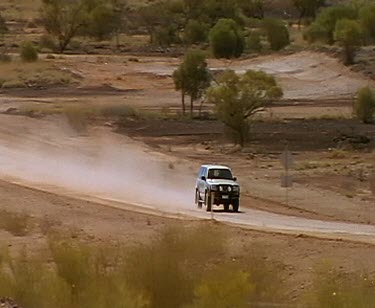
x: 224, y: 287
x: 254, y: 42
x: 364, y: 106
x: 367, y: 19
x: 5, y: 58
x: 237, y: 98
x: 277, y: 33
x: 226, y: 39
x: 29, y: 52
x: 47, y: 41
x: 323, y: 27
x: 165, y: 35
x: 166, y: 271
x: 334, y: 288
x: 13, y: 84
x: 100, y: 25
x: 15, y: 223
x: 195, y: 32
x: 348, y: 34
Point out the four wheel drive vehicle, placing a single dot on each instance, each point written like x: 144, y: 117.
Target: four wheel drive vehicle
x: 216, y: 185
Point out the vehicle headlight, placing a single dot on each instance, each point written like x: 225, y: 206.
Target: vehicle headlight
x: 213, y: 187
x: 236, y: 189
x: 229, y: 189
x: 221, y: 188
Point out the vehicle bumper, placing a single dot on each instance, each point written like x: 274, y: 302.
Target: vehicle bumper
x: 222, y: 197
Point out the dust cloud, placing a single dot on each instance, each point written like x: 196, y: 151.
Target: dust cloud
x: 99, y: 164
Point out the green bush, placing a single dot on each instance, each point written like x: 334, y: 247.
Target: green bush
x: 367, y: 19
x: 101, y: 22
x: 48, y: 42
x: 224, y: 287
x: 195, y: 32
x: 277, y: 33
x: 322, y: 29
x: 364, y: 106
x: 165, y: 35
x: 29, y: 52
x: 254, y: 42
x: 348, y: 34
x: 226, y: 39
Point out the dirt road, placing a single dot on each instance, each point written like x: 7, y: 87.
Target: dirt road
x: 111, y: 169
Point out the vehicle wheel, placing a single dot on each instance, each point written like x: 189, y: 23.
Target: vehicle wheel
x: 236, y: 205
x: 208, y: 202
x: 226, y: 207
x: 198, y: 202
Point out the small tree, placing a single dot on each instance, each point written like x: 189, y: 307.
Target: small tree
x: 4, y: 57
x: 323, y: 28
x: 226, y: 39
x: 179, y: 78
x: 29, y: 52
x: 367, y: 19
x: 349, y: 35
x: 238, y: 98
x: 63, y: 19
x: 195, y: 32
x: 162, y: 21
x: 192, y: 77
x: 221, y: 9
x: 3, y: 26
x: 307, y: 8
x: 254, y: 42
x: 364, y: 106
x: 100, y: 23
x: 277, y: 33
x: 252, y: 8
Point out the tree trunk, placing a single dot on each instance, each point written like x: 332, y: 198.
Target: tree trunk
x: 191, y: 106
x: 349, y: 54
x: 117, y: 36
x: 183, y: 102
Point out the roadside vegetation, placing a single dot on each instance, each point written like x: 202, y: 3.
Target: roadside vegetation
x: 225, y: 29
x: 238, y: 99
x: 364, y: 107
x: 32, y: 73
x: 182, y: 267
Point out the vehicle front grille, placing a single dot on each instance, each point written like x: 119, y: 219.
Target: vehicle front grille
x: 224, y: 188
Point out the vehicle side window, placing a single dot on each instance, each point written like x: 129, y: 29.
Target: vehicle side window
x: 200, y: 172
x: 204, y: 173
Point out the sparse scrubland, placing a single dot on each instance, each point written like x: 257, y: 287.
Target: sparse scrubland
x: 88, y: 62
x: 180, y: 267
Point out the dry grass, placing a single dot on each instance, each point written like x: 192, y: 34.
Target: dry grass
x: 333, y: 288
x: 183, y: 267
x: 20, y: 9
x: 40, y: 74
x: 18, y: 224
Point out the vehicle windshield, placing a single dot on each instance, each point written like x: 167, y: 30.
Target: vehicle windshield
x: 225, y: 174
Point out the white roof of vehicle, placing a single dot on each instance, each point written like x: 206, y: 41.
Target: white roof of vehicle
x: 215, y: 167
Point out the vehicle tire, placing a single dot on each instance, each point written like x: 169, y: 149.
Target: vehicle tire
x: 208, y: 201
x: 236, y: 205
x: 198, y: 202
x: 226, y: 207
